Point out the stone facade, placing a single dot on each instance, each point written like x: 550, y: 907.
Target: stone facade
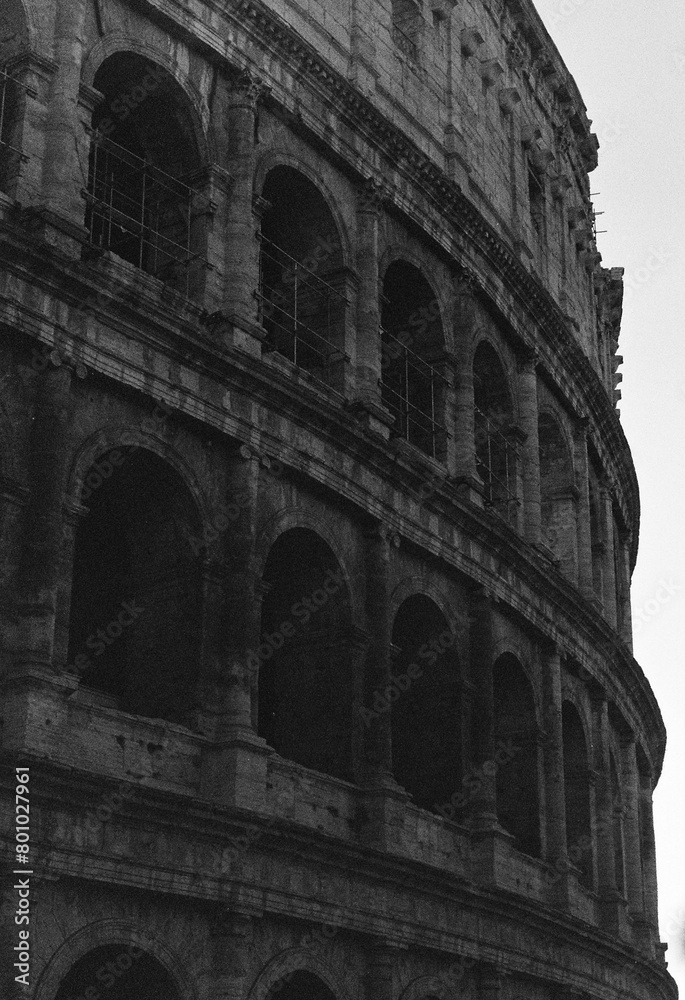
x: 317, y: 519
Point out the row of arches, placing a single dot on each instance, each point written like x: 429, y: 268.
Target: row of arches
x: 146, y: 204
x: 128, y: 972
x: 136, y: 638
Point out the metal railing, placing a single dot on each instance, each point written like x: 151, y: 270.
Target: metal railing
x: 496, y: 461
x: 413, y: 390
x: 299, y: 311
x: 138, y: 211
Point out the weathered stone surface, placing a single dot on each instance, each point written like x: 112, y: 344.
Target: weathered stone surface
x: 316, y: 515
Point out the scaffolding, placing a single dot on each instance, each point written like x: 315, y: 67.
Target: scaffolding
x: 411, y: 388
x: 301, y: 313
x: 139, y: 212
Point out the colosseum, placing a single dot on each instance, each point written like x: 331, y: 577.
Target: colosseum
x: 317, y: 518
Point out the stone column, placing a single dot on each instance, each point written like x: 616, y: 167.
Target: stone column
x: 481, y: 656
x: 235, y: 767
x: 230, y: 938
x: 379, y: 657
x: 609, y: 897
x: 555, y: 798
x: 44, y: 525
x: 23, y: 171
x: 530, y: 451
x: 65, y: 162
x: 73, y: 515
x: 446, y: 410
x: 648, y: 846
x: 242, y: 245
x: 489, y: 983
x: 35, y: 673
x: 368, y: 359
x: 609, y: 574
x: 626, y: 611
x: 384, y: 798
x: 465, y: 323
x: 584, y: 515
x: 633, y: 860
x: 380, y: 962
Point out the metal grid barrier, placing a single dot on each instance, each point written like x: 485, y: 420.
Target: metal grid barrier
x: 496, y: 464
x: 139, y: 212
x: 410, y: 388
x: 299, y: 311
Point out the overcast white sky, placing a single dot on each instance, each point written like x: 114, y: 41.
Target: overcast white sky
x: 628, y: 59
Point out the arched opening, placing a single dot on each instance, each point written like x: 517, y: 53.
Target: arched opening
x: 306, y: 684
x: 136, y: 595
x: 558, y: 514
x: 426, y: 715
x: 300, y: 985
x: 617, y: 827
x: 496, y: 455
x: 577, y: 791
x: 143, y: 201
x: 516, y: 754
x: 121, y: 972
x: 413, y: 344
x: 14, y: 40
x: 302, y: 282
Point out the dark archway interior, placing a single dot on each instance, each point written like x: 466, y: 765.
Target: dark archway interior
x: 301, y: 986
x: 412, y: 342
x: 306, y: 687
x: 143, y: 157
x: 136, y: 604
x: 119, y: 972
x: 516, y: 754
x: 426, y: 716
x: 577, y: 789
x: 494, y: 419
x: 303, y: 303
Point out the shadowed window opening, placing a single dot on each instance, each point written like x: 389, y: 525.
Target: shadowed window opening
x: 558, y: 512
x: 143, y: 201
x: 119, y: 972
x: 496, y: 453
x: 413, y: 346
x: 302, y: 282
x: 577, y: 790
x: 306, y: 687
x: 426, y: 716
x: 136, y: 598
x: 516, y: 737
